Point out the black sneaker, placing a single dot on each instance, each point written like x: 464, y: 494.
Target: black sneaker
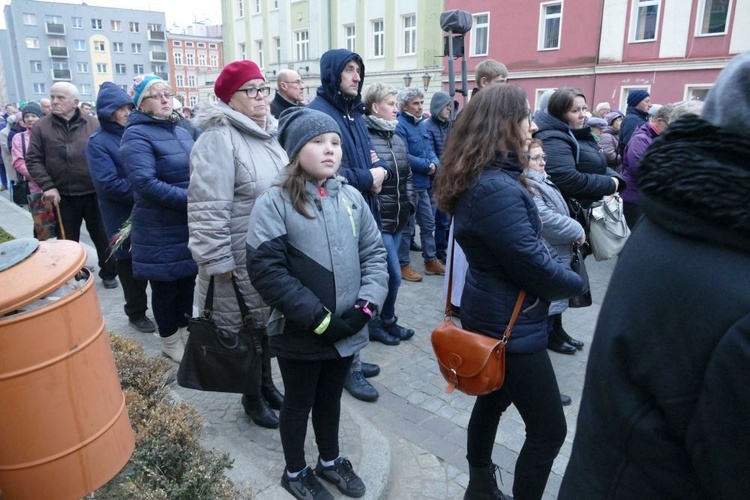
x: 370, y: 370
x: 109, y: 283
x: 356, y: 384
x: 143, y: 324
x: 305, y: 486
x: 342, y: 475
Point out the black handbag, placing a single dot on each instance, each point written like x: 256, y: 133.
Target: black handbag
x: 577, y: 264
x: 20, y: 191
x: 223, y: 361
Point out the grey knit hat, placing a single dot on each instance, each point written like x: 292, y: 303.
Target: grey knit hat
x: 32, y: 108
x: 297, y: 125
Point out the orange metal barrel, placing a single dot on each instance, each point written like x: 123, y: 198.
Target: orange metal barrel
x: 64, y: 427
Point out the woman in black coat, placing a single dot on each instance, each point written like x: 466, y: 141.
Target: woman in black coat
x: 578, y: 167
x: 497, y: 224
x: 666, y: 407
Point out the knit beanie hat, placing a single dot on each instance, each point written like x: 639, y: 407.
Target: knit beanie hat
x: 728, y: 103
x: 234, y: 76
x: 32, y: 108
x: 298, y: 125
x: 636, y: 96
x: 139, y: 89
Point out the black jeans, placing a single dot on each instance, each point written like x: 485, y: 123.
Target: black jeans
x: 74, y: 210
x: 530, y: 384
x: 136, y: 302
x: 315, y: 385
x: 172, y: 303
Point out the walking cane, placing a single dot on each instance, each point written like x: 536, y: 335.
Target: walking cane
x: 59, y: 220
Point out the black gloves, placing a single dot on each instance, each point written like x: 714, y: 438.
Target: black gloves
x: 337, y: 329
x: 334, y: 328
x: 356, y: 318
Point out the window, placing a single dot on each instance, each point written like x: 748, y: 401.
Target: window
x: 713, y: 16
x: 63, y: 65
x: 177, y: 43
x: 124, y: 87
x: 549, y: 26
x: 32, y: 42
x: 79, y: 45
x: 118, y: 47
x: 259, y: 50
x: 36, y: 66
x: 135, y: 48
x: 82, y: 67
x: 84, y: 88
x: 301, y: 44
x: 241, y: 50
x: 378, y: 36
x: 138, y: 69
x: 180, y: 80
x: 193, y: 101
x: 135, y: 27
x: 101, y: 68
x: 99, y: 47
x: 697, y: 92
x: 645, y: 20
x: 116, y: 25
x: 190, y: 59
x: 240, y: 8
x: 29, y: 19
x: 275, y: 4
x: 77, y: 22
x: 40, y: 88
x: 277, y: 46
x: 153, y: 27
x: 178, y: 58
x: 191, y: 80
x: 480, y: 34
x: 120, y: 69
x: 201, y: 45
x: 214, y: 61
x: 257, y: 6
x: 188, y: 44
x: 158, y: 68
x: 202, y: 60
x: 96, y: 24
x: 410, y: 34
x: 53, y: 19
x: 211, y: 45
x: 350, y: 35
x: 626, y: 92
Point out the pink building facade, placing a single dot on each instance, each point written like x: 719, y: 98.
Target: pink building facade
x: 673, y: 48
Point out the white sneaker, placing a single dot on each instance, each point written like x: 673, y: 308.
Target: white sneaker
x: 184, y: 334
x: 172, y: 347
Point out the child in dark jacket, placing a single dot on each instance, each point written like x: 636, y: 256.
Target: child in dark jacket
x: 322, y: 294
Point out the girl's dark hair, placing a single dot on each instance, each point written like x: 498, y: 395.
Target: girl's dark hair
x: 536, y: 143
x: 294, y: 185
x: 488, y: 127
x: 561, y: 101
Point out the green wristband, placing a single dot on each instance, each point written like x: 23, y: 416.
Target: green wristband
x: 323, y: 324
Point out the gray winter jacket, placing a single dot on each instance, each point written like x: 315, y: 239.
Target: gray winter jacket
x: 302, y: 266
x: 559, y: 229
x: 232, y: 163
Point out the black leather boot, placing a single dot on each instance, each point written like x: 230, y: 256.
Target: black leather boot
x: 483, y: 484
x: 379, y: 334
x: 259, y: 411
x: 558, y: 329
x: 394, y: 329
x: 267, y: 388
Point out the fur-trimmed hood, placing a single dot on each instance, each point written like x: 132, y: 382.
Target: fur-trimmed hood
x: 220, y: 114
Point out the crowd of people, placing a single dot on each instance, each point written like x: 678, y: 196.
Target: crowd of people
x: 311, y: 209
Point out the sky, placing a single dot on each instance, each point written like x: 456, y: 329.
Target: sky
x: 181, y: 12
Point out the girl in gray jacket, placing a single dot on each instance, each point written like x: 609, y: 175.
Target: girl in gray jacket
x: 315, y: 255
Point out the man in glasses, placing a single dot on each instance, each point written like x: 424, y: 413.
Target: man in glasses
x: 290, y: 91
x: 56, y: 159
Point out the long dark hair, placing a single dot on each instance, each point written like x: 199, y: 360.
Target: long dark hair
x: 488, y: 127
x: 294, y: 186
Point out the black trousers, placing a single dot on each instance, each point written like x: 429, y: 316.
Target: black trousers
x: 315, y: 385
x: 74, y: 210
x: 172, y: 303
x: 530, y: 384
x: 136, y: 302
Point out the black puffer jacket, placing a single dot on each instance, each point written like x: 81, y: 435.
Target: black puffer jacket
x: 396, y: 197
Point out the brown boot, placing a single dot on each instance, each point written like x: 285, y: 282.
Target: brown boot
x: 409, y: 274
x: 434, y: 267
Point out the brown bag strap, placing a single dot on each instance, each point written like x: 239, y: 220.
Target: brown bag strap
x: 516, y: 310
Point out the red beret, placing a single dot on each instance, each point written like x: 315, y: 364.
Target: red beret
x: 234, y: 76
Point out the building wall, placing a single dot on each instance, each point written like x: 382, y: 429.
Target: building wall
x: 207, y: 56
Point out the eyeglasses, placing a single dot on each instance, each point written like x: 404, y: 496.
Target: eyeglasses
x: 159, y: 96
x: 537, y: 158
x: 252, y: 92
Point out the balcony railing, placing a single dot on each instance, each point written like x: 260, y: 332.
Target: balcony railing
x: 157, y: 36
x: 61, y: 74
x: 163, y: 76
x: 58, y: 52
x: 158, y: 56
x: 55, y: 29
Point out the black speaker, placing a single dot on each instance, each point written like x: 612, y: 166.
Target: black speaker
x: 458, y: 45
x: 456, y: 21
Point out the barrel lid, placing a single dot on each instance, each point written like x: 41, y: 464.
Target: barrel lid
x: 42, y: 270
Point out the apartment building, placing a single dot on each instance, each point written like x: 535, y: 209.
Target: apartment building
x: 191, y: 58
x: 675, y: 49
x: 82, y: 44
x: 400, y: 41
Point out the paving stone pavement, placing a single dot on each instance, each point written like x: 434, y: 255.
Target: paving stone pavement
x: 411, y: 443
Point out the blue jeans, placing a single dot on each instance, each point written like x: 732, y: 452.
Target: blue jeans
x: 442, y: 222
x: 391, y: 243
x: 426, y: 223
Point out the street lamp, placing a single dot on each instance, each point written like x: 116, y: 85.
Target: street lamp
x: 407, y: 80
x: 426, y: 80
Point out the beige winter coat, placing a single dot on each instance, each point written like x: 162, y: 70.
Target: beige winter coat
x: 232, y: 163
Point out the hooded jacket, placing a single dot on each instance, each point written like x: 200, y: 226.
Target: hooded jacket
x: 156, y: 154
x: 665, y: 406
x: 107, y: 170
x: 634, y: 151
x: 348, y: 113
x: 436, y: 128
x: 610, y: 142
x: 233, y: 162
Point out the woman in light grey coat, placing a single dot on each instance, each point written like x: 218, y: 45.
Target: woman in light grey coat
x: 560, y: 232
x: 234, y: 161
